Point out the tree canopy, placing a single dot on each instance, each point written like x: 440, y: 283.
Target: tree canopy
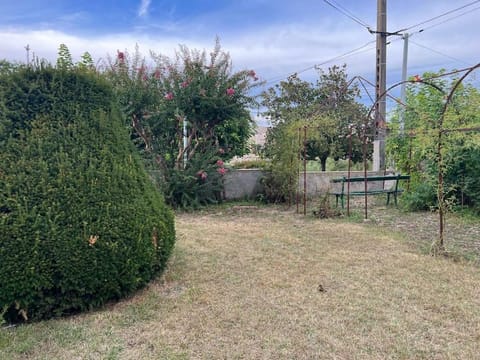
x: 328, y: 108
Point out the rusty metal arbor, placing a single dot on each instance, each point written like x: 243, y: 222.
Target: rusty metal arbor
x: 440, y: 131
x: 439, y: 245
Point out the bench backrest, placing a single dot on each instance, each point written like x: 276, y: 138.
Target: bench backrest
x: 383, y: 178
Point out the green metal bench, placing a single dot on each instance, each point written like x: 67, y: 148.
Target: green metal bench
x: 393, y: 190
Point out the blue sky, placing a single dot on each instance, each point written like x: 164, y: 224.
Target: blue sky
x: 274, y: 37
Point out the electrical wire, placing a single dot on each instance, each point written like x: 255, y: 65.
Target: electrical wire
x: 316, y: 66
x: 347, y: 13
x: 440, y: 53
x: 438, y: 16
x: 447, y: 20
x: 361, y: 49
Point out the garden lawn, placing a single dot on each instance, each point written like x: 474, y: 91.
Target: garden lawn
x: 261, y: 283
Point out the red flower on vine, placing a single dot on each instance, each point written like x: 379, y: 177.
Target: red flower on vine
x: 169, y: 96
x: 185, y: 84
x: 220, y: 163
x: 230, y: 91
x: 222, y: 171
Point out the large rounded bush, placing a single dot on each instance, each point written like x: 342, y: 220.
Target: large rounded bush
x: 80, y: 221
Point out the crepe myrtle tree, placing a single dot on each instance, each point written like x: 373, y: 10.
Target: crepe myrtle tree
x: 185, y: 113
x: 181, y: 106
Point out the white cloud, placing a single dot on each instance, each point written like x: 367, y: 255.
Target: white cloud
x: 143, y: 9
x: 273, y: 51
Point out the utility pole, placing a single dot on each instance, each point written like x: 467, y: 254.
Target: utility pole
x: 404, y: 85
x: 381, y: 83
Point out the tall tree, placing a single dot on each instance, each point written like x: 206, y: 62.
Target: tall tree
x: 327, y: 107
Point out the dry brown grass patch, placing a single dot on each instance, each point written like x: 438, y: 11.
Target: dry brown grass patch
x: 260, y: 283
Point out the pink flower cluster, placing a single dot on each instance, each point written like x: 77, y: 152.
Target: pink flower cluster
x: 221, y: 167
x: 202, y: 175
x: 230, y: 92
x: 253, y: 75
x: 120, y: 56
x: 169, y: 96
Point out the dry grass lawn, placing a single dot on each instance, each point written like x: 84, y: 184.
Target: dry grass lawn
x: 268, y: 284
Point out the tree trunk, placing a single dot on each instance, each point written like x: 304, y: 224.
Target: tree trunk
x: 323, y: 162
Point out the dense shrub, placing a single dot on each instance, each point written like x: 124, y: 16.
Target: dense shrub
x: 80, y: 221
x: 200, y: 183
x: 463, y: 168
x: 423, y: 196
x: 461, y: 185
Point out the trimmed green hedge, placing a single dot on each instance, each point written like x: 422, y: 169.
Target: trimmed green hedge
x: 80, y: 221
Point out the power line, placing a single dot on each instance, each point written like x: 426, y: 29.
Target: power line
x: 439, y: 16
x: 316, y: 66
x: 348, y: 53
x: 361, y: 49
x: 449, y: 19
x: 347, y: 13
x: 439, y: 53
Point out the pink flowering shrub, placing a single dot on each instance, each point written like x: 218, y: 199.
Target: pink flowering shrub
x: 196, y: 89
x: 200, y: 183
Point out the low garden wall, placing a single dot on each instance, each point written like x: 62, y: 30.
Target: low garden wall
x: 243, y: 184
x: 246, y: 183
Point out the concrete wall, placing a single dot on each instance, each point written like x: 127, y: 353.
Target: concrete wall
x: 243, y: 184
x: 246, y: 184
x: 318, y: 182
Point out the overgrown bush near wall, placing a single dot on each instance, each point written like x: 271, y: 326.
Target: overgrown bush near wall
x: 417, y: 151
x: 200, y: 183
x: 80, y: 221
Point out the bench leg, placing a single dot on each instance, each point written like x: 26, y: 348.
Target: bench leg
x: 394, y: 198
